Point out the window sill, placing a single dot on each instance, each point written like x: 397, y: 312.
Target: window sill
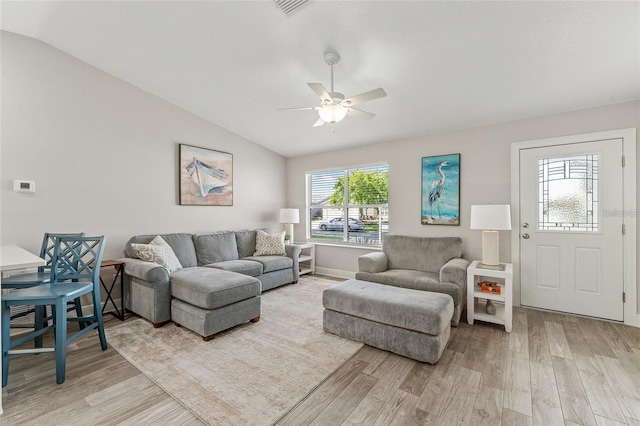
x: 345, y: 245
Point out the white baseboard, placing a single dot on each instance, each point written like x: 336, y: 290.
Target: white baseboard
x: 337, y: 273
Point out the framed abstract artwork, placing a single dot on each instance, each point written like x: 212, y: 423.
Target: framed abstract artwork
x: 441, y: 190
x: 205, y: 177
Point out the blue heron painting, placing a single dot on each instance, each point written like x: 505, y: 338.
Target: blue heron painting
x: 441, y: 190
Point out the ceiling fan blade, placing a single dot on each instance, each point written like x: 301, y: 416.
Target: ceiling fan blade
x: 364, y: 97
x: 298, y: 109
x: 319, y: 123
x: 356, y: 113
x: 320, y: 91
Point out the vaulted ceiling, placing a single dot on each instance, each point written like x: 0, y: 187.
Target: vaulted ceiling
x: 445, y: 65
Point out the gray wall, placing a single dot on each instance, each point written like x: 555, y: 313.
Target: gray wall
x: 104, y: 155
x: 484, y: 178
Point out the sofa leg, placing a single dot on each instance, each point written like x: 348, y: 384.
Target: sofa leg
x: 295, y: 282
x: 160, y: 324
x: 256, y: 319
x: 207, y: 338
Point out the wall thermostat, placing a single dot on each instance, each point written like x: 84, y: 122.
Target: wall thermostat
x: 24, y: 186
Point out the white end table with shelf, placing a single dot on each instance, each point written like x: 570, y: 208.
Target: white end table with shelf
x: 476, y: 299
x: 307, y: 258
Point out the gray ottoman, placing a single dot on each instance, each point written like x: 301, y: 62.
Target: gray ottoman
x: 208, y: 300
x: 411, y: 323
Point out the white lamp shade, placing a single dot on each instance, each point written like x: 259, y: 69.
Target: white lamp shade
x: 332, y: 113
x: 491, y: 217
x: 289, y: 216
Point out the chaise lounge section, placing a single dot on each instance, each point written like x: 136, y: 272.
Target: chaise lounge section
x: 211, y: 300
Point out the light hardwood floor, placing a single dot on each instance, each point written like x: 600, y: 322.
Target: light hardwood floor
x: 101, y: 388
x: 552, y: 369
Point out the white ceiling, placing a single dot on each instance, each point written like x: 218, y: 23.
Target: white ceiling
x: 445, y: 65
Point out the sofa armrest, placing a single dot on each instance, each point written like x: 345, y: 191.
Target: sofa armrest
x: 293, y: 251
x: 455, y: 271
x: 373, y: 262
x: 147, y: 271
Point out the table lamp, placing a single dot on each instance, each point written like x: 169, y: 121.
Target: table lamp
x: 289, y: 217
x: 491, y: 219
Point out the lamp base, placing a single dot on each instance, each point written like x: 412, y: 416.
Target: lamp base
x: 288, y: 230
x: 490, y: 248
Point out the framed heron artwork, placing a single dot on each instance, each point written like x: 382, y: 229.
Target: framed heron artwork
x: 205, y: 177
x: 441, y: 190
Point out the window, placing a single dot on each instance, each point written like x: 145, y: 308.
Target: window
x: 568, y: 193
x: 357, y: 197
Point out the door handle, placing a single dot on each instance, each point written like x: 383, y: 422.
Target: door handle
x: 525, y: 225
x: 525, y: 236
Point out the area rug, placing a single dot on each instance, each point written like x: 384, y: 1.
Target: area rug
x: 251, y: 374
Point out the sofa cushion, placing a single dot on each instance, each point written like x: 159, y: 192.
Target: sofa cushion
x: 269, y: 244
x: 272, y: 263
x: 246, y: 241
x: 241, y: 266
x: 215, y: 247
x: 180, y: 243
x: 211, y: 288
x: 420, y: 253
x: 417, y: 280
x: 157, y: 251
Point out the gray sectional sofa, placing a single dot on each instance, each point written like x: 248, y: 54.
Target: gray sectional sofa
x: 420, y: 263
x: 219, y: 285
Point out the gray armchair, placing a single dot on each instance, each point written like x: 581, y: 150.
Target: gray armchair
x: 429, y: 264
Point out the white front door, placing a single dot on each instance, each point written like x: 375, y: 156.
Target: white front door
x: 571, y: 242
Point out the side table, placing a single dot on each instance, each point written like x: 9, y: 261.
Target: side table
x: 119, y: 267
x: 307, y: 258
x: 476, y: 299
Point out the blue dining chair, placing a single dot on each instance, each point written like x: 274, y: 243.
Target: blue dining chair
x: 41, y: 276
x: 75, y: 271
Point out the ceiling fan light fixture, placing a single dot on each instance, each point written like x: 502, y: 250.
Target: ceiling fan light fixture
x: 334, y: 107
x: 332, y: 113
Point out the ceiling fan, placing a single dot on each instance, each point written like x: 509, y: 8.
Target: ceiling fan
x: 333, y: 106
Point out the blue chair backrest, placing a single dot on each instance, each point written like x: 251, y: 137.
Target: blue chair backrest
x: 77, y: 259
x: 48, y: 246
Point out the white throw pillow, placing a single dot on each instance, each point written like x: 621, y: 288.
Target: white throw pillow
x: 158, y: 251
x: 270, y: 245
